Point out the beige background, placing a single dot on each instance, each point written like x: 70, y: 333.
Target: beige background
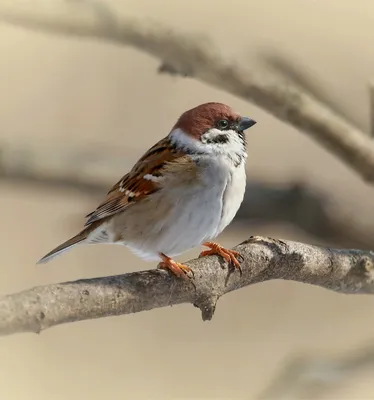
x: 63, y: 90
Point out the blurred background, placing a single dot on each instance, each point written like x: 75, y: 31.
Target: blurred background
x: 63, y: 93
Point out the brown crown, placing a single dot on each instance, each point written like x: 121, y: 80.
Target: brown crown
x: 203, y: 117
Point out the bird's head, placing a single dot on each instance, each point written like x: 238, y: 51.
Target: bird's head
x: 211, y: 128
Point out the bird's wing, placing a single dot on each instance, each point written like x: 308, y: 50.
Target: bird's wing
x: 143, y: 180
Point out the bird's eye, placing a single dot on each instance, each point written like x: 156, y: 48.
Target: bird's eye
x: 222, y: 124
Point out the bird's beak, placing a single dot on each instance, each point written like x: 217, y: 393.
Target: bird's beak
x: 246, y: 123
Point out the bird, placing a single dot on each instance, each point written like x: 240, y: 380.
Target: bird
x: 182, y: 193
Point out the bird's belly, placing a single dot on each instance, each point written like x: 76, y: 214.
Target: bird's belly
x: 193, y: 217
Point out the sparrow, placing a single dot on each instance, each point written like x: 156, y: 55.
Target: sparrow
x: 180, y: 194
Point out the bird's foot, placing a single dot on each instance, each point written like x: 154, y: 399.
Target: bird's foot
x: 178, y: 269
x: 230, y: 256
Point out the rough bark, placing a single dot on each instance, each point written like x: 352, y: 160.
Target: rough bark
x: 346, y: 271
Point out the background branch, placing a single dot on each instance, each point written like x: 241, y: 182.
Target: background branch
x: 371, y: 105
x: 192, y: 56
x: 347, y: 271
x: 93, y: 170
x: 311, y: 376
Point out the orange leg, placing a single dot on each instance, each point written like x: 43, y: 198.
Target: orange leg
x: 229, y: 255
x: 174, y: 267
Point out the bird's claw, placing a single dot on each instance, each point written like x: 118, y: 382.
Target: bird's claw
x: 178, y: 269
x: 230, y: 256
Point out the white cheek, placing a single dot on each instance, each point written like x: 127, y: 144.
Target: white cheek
x: 234, y: 145
x: 183, y: 140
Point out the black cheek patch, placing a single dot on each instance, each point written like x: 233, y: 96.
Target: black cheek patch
x: 221, y: 139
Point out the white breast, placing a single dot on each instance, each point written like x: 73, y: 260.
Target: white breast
x: 198, y: 213
x: 232, y: 196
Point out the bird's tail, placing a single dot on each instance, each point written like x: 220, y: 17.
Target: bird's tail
x: 62, y: 248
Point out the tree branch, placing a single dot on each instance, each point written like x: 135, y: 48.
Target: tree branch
x: 346, y: 271
x: 192, y: 56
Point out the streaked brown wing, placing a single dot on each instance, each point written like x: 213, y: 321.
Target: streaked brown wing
x: 133, y: 186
